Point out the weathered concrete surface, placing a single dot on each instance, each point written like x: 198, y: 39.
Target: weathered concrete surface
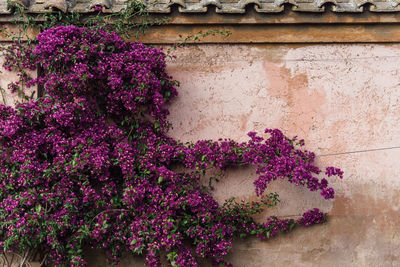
x: 289, y: 28
x: 340, y: 99
x: 279, y: 33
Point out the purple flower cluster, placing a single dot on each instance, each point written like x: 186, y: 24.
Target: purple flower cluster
x: 274, y: 157
x: 274, y: 225
x: 311, y: 217
x: 90, y: 165
x: 126, y: 78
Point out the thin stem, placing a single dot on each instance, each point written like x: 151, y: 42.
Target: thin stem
x: 105, y: 211
x: 12, y: 259
x: 33, y: 254
x: 6, y: 260
x: 26, y: 254
x: 44, y: 259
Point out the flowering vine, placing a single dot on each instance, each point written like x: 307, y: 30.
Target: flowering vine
x: 90, y: 164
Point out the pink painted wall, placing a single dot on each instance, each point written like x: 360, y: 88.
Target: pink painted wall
x: 340, y: 99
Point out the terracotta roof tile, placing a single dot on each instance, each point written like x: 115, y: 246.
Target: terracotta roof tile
x: 201, y: 6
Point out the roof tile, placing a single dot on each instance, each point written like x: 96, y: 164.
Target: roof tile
x: 201, y: 6
x: 56, y: 4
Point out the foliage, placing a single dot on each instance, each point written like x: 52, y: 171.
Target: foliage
x: 90, y: 164
x: 134, y: 18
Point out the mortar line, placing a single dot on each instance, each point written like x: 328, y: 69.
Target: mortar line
x: 341, y: 215
x: 360, y: 151
x: 320, y: 60
x: 339, y: 59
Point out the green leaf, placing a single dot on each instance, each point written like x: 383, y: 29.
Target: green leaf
x: 38, y: 209
x: 156, y: 125
x: 172, y: 257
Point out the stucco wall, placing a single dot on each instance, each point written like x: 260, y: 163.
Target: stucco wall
x: 341, y: 99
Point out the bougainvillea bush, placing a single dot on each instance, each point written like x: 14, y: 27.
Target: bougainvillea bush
x: 90, y: 163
